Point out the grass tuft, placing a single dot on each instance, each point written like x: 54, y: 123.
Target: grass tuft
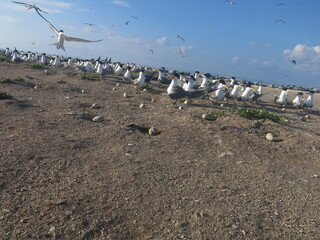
x: 91, y: 76
x: 4, y: 59
x: 259, y: 114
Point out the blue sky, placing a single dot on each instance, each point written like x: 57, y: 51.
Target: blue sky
x: 241, y: 39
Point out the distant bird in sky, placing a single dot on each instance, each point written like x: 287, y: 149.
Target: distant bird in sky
x: 127, y: 22
x: 90, y: 24
x: 178, y: 36
x: 182, y: 53
x: 136, y: 18
x: 230, y: 2
x: 280, y: 20
x: 294, y: 62
x: 29, y: 6
x: 151, y: 51
x: 279, y: 4
x: 33, y: 43
x: 61, y: 36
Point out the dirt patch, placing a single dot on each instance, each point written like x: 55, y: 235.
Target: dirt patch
x: 63, y: 176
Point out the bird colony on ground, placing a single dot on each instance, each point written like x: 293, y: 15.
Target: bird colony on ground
x: 180, y: 85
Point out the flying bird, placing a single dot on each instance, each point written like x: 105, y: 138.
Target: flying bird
x: 279, y: 4
x: 136, y: 18
x: 178, y: 36
x: 33, y: 43
x: 182, y: 53
x: 230, y: 2
x: 61, y: 36
x: 90, y: 24
x: 280, y: 20
x: 29, y: 6
x: 151, y: 51
x: 294, y: 62
x: 127, y: 22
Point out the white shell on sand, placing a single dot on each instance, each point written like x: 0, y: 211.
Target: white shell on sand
x: 205, y: 116
x: 142, y: 105
x: 98, y: 119
x: 153, y: 131
x: 95, y: 106
x: 187, y: 102
x: 125, y: 95
x: 269, y: 136
x: 180, y: 108
x: 222, y: 105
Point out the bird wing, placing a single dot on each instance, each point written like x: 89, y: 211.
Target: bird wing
x: 21, y: 3
x: 73, y: 39
x: 50, y: 25
x: 181, y: 52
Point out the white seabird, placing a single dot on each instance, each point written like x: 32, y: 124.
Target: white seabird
x: 309, y: 101
x: 298, y: 101
x: 61, y: 36
x: 29, y: 6
x: 282, y: 99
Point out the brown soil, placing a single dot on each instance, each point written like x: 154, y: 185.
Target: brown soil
x: 63, y: 176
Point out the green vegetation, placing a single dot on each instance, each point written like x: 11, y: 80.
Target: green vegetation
x: 36, y: 66
x: 214, y: 115
x: 91, y: 76
x: 4, y: 95
x: 19, y: 79
x: 262, y: 114
x: 4, y: 59
x: 7, y: 80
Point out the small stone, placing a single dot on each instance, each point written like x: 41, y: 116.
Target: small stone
x: 95, y: 106
x: 98, y: 119
x: 187, y: 102
x: 118, y: 84
x: 113, y: 89
x: 221, y: 105
x: 82, y: 91
x: 36, y: 87
x: 283, y: 109
x: 125, y: 95
x: 67, y: 97
x: 205, y: 116
x: 180, y: 108
x: 153, y: 131
x: 142, y: 105
x: 145, y: 90
x: 153, y: 100
x: 307, y: 116
x: 269, y: 136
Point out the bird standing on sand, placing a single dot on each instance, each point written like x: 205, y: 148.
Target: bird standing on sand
x: 298, y: 101
x: 162, y: 78
x: 61, y: 36
x: 282, y: 99
x: 176, y: 92
x: 140, y: 82
x: 309, y: 101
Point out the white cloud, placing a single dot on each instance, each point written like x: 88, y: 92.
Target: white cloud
x: 8, y: 19
x: 235, y: 60
x: 121, y: 3
x: 254, y: 61
x: 162, y: 41
x: 303, y: 52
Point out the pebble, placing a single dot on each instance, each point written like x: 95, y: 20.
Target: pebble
x: 180, y: 108
x: 142, y: 105
x: 118, y: 84
x: 125, y: 95
x: 145, y: 90
x: 283, y: 109
x: 153, y: 100
x: 269, y: 136
x: 95, y: 106
x: 222, y: 105
x: 82, y: 91
x: 153, y: 131
x: 205, y: 116
x: 187, y: 102
x: 113, y: 89
x: 98, y: 119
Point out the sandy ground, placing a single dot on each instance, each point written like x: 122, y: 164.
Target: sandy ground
x: 63, y: 176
